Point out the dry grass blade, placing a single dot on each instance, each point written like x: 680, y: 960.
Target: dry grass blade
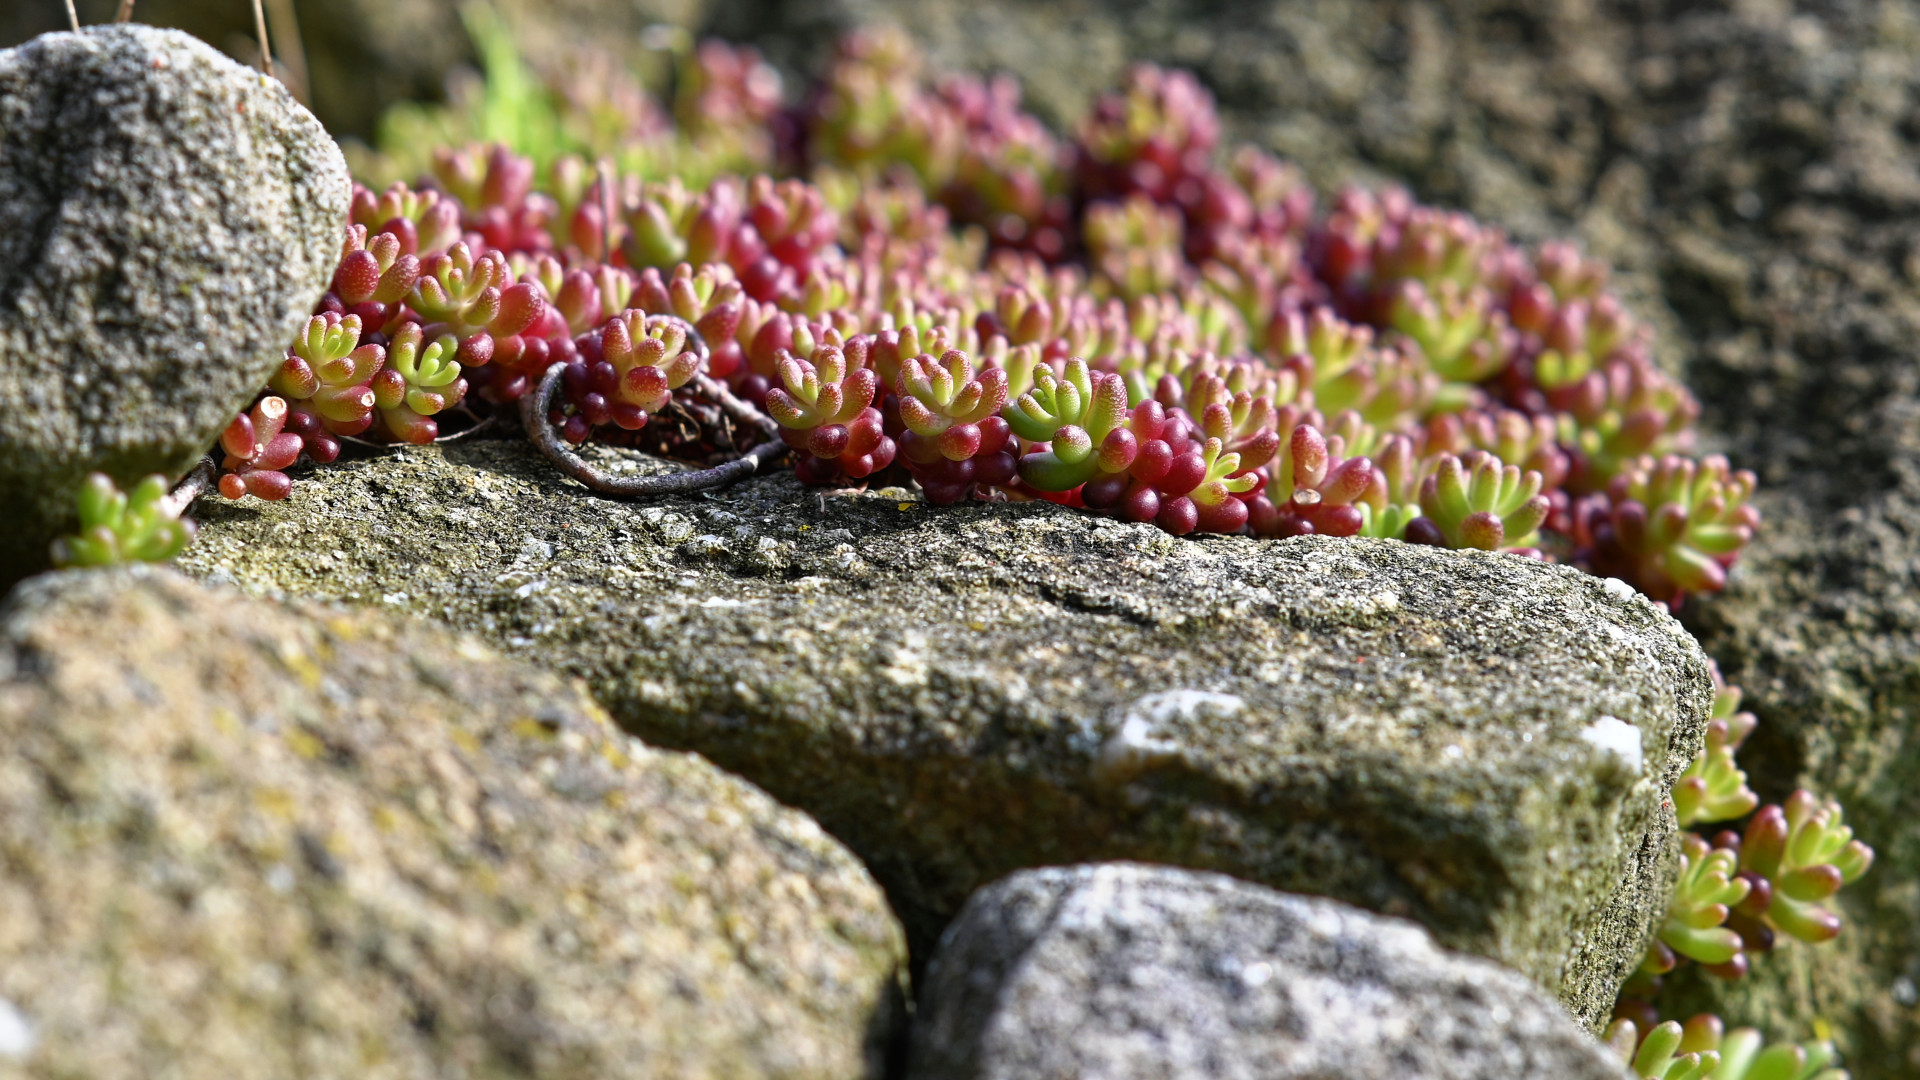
x: 293, y: 54
x: 260, y: 28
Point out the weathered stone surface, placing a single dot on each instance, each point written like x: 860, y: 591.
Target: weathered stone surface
x: 240, y: 841
x: 1129, y: 972
x: 1752, y: 170
x: 1477, y: 741
x: 167, y: 219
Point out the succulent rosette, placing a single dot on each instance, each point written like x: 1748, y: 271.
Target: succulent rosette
x: 373, y: 277
x: 258, y: 449
x: 824, y: 405
x: 327, y: 378
x: 1713, y: 787
x: 954, y: 436
x: 123, y: 527
x: 1476, y: 501
x: 628, y: 374
x: 1703, y: 1049
x: 421, y: 380
x: 1671, y: 525
x: 422, y: 221
x: 1805, y: 853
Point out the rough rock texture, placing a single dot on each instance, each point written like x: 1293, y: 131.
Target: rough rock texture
x: 244, y: 842
x: 1130, y: 972
x: 1476, y: 741
x: 1750, y: 165
x: 167, y: 219
x: 1752, y: 168
x: 362, y: 55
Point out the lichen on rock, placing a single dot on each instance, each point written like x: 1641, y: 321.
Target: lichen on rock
x: 247, y: 841
x: 961, y: 693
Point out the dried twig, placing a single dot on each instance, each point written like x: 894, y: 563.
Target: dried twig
x: 191, y: 487
x: 260, y: 28
x: 73, y: 17
x: 484, y: 424
x: 738, y: 411
x: 125, y: 14
x: 533, y: 414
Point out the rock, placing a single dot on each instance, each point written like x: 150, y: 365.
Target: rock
x: 246, y: 841
x: 1123, y: 971
x: 1750, y: 170
x: 1476, y: 741
x: 167, y: 220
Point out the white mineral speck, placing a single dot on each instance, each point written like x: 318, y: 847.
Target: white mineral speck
x: 1615, y: 736
x: 16, y: 1034
x: 1137, y: 739
x: 1619, y: 588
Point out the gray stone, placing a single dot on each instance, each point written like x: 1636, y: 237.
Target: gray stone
x: 1473, y: 740
x: 1128, y: 972
x: 250, y: 842
x: 1749, y: 169
x: 167, y: 220
x: 1752, y: 171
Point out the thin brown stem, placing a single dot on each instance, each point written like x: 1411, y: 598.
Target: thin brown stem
x: 73, y: 17
x: 740, y: 412
x: 125, y: 14
x: 260, y: 29
x: 191, y: 487
x: 293, y: 55
x: 533, y: 415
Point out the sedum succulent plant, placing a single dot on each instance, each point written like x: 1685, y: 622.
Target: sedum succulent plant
x: 916, y: 222
x: 1702, y: 1049
x: 123, y: 527
x: 907, y: 279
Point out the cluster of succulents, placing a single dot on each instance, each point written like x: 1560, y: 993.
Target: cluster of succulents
x: 908, y: 280
x: 940, y: 291
x: 723, y: 114
x: 1741, y: 893
x: 1703, y: 1049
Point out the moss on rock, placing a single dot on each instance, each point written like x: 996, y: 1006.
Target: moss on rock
x: 1476, y: 741
x: 249, y: 842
